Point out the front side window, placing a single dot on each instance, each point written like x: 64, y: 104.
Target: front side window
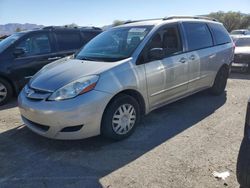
x: 115, y: 44
x: 9, y: 40
x: 168, y: 40
x: 37, y: 44
x: 198, y: 36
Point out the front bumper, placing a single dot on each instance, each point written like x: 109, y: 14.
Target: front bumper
x: 50, y: 118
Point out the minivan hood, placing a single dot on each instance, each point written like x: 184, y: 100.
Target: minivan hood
x: 242, y: 50
x: 62, y: 72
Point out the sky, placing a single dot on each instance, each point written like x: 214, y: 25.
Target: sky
x: 104, y: 12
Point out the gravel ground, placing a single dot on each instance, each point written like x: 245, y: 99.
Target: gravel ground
x: 178, y: 146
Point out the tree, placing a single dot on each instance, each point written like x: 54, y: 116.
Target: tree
x: 72, y: 25
x: 118, y: 22
x: 18, y: 29
x: 232, y: 20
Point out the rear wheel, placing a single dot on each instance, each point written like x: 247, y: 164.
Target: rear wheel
x: 120, y: 117
x: 220, y: 81
x: 6, y: 91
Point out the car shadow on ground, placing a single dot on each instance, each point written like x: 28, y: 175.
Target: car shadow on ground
x: 28, y: 160
x: 11, y: 104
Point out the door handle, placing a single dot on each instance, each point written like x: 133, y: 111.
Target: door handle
x: 192, y: 57
x: 183, y: 60
x: 54, y: 58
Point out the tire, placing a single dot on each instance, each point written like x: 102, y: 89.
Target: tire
x: 248, y: 69
x: 243, y: 164
x: 6, y: 91
x: 220, y: 81
x: 119, y: 123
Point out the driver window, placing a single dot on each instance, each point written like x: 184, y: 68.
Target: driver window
x: 171, y: 41
x: 35, y: 45
x: 168, y: 39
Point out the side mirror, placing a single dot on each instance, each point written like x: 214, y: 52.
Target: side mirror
x: 18, y: 52
x: 156, y: 54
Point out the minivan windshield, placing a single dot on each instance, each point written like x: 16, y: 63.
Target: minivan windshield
x: 9, y: 40
x: 114, y: 45
x: 238, y: 32
x: 242, y: 42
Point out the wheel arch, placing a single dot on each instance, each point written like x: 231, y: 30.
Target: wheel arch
x: 13, y: 86
x: 133, y: 93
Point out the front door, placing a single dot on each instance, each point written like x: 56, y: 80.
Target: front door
x: 167, y: 78
x: 37, y: 53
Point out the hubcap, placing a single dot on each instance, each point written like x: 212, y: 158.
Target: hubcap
x: 3, y: 92
x: 124, y: 119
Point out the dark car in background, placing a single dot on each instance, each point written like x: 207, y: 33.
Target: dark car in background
x: 243, y: 164
x: 23, y: 54
x: 242, y: 54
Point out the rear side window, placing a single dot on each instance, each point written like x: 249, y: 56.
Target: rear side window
x: 220, y: 34
x: 68, y: 40
x: 198, y: 36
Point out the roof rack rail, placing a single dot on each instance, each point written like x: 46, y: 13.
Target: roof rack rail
x: 67, y: 27
x: 134, y: 21
x: 190, y: 17
x: 91, y: 27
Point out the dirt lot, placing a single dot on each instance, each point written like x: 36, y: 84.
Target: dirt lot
x: 179, y: 146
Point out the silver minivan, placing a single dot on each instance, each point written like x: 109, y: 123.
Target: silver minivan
x: 123, y: 74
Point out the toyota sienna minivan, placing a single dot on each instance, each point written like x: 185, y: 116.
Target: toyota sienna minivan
x: 123, y: 74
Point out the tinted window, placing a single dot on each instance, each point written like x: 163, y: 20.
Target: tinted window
x: 242, y: 42
x: 198, y: 36
x: 68, y: 40
x: 220, y: 34
x: 88, y: 35
x: 35, y: 45
x: 5, y: 43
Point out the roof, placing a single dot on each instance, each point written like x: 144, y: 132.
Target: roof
x: 172, y: 19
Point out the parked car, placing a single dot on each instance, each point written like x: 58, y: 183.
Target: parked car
x: 24, y: 53
x: 240, y: 32
x: 243, y: 164
x: 124, y: 73
x: 242, y: 54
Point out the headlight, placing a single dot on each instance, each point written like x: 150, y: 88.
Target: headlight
x: 75, y: 88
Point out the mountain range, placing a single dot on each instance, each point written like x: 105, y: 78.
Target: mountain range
x: 10, y: 28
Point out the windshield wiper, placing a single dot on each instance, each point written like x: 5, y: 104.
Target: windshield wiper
x: 86, y: 58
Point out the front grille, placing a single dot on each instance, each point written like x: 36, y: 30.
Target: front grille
x: 242, y: 58
x: 38, y: 126
x: 36, y: 94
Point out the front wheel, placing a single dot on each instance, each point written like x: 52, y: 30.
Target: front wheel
x: 220, y: 81
x: 5, y: 91
x: 120, y: 117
